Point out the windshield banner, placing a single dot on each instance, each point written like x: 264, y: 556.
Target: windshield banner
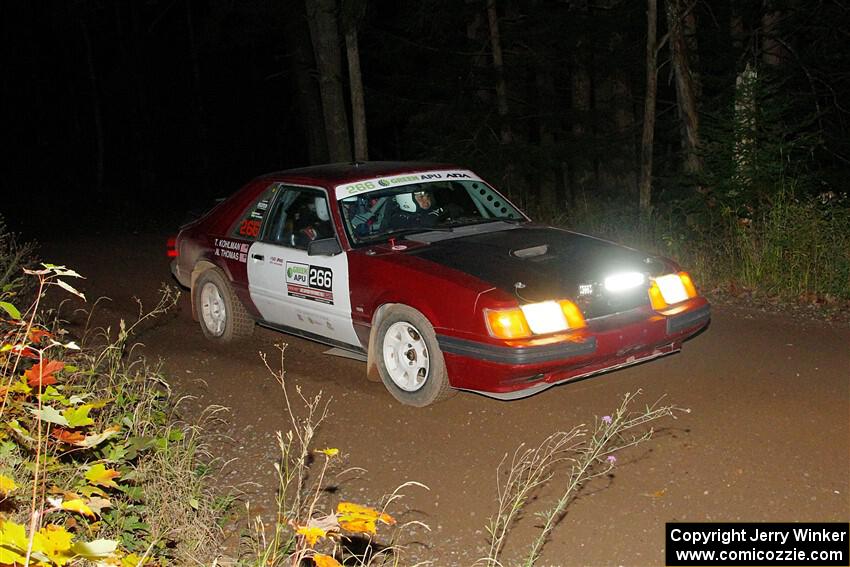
x: 349, y: 189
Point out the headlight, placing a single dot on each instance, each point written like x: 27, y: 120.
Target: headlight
x: 671, y: 289
x: 623, y: 281
x: 533, y: 319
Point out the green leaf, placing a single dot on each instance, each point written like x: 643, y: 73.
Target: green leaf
x: 115, y: 453
x: 79, y: 416
x: 51, y: 394
x: 77, y: 398
x: 194, y: 503
x: 10, y: 309
x: 67, y: 287
x: 50, y: 415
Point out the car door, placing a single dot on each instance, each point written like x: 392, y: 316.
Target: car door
x: 292, y: 289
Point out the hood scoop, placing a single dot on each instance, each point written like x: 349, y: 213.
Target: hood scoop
x: 534, y: 252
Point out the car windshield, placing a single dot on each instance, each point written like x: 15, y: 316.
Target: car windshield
x: 437, y: 205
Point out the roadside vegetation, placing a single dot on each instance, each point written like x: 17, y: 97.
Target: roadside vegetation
x: 96, y: 465
x: 794, y: 248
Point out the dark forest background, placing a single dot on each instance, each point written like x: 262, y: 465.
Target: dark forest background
x: 697, y: 114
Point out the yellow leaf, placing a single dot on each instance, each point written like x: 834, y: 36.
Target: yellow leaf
x: 329, y: 452
x: 7, y: 485
x: 322, y: 560
x: 54, y: 542
x: 358, y: 524
x: 361, y: 519
x: 101, y: 476
x: 133, y: 560
x: 15, y: 543
x: 77, y: 505
x: 311, y: 534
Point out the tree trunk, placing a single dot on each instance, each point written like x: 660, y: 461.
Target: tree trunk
x: 143, y: 129
x: 307, y: 92
x: 545, y: 105
x: 324, y: 29
x: 689, y: 25
x: 745, y: 126
x: 198, y: 113
x: 358, y: 107
x: 612, y: 96
x: 771, y: 47
x: 685, y: 96
x: 582, y: 174
x: 505, y: 136
x: 736, y: 32
x: 96, y: 110
x: 646, y: 146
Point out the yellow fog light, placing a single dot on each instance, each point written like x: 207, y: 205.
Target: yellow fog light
x: 506, y: 323
x: 671, y: 289
x: 574, y: 316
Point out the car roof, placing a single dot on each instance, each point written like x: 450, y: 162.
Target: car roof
x: 334, y: 174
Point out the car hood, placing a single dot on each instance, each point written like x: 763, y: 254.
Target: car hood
x: 540, y: 263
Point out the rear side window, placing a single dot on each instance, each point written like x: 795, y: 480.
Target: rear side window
x: 248, y: 226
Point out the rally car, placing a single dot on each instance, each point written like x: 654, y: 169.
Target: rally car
x: 432, y: 276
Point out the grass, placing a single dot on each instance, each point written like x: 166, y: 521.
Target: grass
x: 95, y: 464
x: 585, y: 452
x: 308, y: 526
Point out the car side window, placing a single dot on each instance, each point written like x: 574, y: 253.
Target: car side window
x: 249, y: 225
x: 299, y: 216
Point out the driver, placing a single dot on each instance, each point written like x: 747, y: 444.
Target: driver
x: 415, y: 210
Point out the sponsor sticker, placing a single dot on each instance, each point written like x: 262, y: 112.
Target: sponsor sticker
x: 231, y: 249
x: 310, y: 282
x: 348, y: 189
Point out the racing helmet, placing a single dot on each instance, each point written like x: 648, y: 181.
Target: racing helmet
x: 321, y: 205
x: 406, y: 202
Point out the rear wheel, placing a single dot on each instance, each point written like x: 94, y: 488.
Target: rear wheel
x: 410, y: 362
x: 222, y: 316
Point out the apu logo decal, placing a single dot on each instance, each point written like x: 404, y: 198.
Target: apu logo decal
x: 309, y: 282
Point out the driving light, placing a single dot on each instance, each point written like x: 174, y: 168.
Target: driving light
x: 506, y: 323
x: 544, y: 317
x: 534, y: 319
x: 623, y: 281
x: 671, y: 289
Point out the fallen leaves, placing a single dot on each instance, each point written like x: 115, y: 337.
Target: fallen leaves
x: 361, y: 519
x: 99, y: 475
x: 43, y: 373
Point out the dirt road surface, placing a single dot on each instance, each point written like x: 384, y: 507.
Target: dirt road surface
x: 767, y: 438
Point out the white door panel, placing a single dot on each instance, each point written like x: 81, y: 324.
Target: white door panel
x: 309, y: 293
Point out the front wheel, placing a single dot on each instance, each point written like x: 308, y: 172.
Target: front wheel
x: 222, y: 316
x: 410, y: 363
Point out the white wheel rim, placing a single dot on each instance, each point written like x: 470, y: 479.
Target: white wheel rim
x: 406, y: 356
x: 213, y: 311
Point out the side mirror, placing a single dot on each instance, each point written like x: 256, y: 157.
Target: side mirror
x: 323, y: 247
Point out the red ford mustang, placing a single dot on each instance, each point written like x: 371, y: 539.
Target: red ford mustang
x: 431, y: 275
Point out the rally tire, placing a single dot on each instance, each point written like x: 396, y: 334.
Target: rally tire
x: 410, y: 361
x: 221, y: 314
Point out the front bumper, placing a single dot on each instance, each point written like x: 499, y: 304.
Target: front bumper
x: 519, y: 370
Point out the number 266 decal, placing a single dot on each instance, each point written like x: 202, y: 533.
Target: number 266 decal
x: 321, y: 278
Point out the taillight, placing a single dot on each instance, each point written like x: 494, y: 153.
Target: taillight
x: 171, y: 247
